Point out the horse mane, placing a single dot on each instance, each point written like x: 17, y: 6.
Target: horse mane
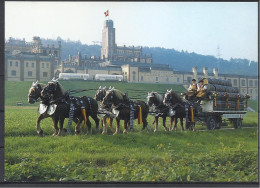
x: 158, y: 96
x: 61, y: 88
x: 177, y: 96
x: 42, y: 85
x: 118, y: 94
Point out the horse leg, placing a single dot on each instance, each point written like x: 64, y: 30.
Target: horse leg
x: 156, y: 123
x: 175, y: 123
x: 170, y: 128
x: 181, y: 120
x: 94, y: 116
x: 117, y: 126
x: 55, y: 123
x: 110, y: 124
x: 61, y: 121
x: 125, y: 126
x: 78, y: 123
x: 193, y: 126
x: 89, y: 130
x: 104, y: 125
x: 165, y: 128
x: 38, y: 123
x: 145, y: 125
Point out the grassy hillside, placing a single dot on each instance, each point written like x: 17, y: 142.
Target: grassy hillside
x: 18, y: 91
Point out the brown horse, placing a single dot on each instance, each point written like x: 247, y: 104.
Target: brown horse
x: 55, y: 91
x: 122, y: 107
x: 34, y: 96
x: 181, y: 107
x: 155, y: 100
x: 99, y: 96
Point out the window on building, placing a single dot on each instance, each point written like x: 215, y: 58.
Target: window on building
x: 256, y: 83
x: 243, y: 90
x: 16, y: 64
x: 167, y: 79
x: 243, y: 83
x: 229, y: 80
x: 47, y: 65
x: 13, y: 73
x: 11, y: 63
x: 178, y: 79
x: 251, y: 91
x: 251, y: 83
x: 32, y: 65
x: 42, y: 65
x: 142, y: 78
x: 44, y: 51
x: 156, y: 79
x: 235, y: 82
x: 27, y: 64
x: 134, y: 75
x: 45, y: 74
x: 29, y: 73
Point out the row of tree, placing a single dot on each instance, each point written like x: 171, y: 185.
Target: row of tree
x: 179, y: 60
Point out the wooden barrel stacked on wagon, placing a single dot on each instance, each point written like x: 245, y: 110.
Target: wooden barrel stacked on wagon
x: 224, y: 96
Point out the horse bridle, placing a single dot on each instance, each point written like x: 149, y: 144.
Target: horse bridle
x: 37, y: 88
x: 100, y: 92
x: 112, y: 96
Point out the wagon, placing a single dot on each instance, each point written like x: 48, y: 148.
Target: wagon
x: 222, y: 103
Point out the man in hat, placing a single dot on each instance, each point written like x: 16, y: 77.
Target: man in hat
x: 202, y: 90
x: 192, y: 90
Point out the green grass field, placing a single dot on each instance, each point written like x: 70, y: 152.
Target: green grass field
x: 224, y: 155
x: 18, y: 91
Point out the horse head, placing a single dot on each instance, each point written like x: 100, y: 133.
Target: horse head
x: 100, y: 93
x: 34, y: 92
x: 167, y: 97
x: 171, y: 97
x: 53, y: 88
x: 113, y: 96
x: 154, y: 98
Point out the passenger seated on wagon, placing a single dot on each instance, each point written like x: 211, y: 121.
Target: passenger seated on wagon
x: 202, y: 91
x: 192, y: 90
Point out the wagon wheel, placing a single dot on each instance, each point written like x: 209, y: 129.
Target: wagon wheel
x: 211, y: 123
x: 237, y: 123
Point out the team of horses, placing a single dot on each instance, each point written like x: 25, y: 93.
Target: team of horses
x: 109, y: 104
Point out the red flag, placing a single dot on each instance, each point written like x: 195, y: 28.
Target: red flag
x: 106, y: 13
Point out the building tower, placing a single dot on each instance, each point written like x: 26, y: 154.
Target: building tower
x: 108, y: 40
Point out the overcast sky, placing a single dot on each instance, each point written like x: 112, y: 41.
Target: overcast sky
x: 195, y: 27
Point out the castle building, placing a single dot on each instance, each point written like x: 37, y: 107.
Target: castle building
x: 33, y: 61
x: 30, y: 61
x: 110, y: 50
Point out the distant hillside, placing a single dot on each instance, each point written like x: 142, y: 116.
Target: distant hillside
x: 181, y: 61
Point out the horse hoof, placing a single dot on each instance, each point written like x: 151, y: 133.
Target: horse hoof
x: 125, y: 132
x: 40, y: 133
x: 155, y: 130
x: 115, y: 133
x: 104, y: 133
